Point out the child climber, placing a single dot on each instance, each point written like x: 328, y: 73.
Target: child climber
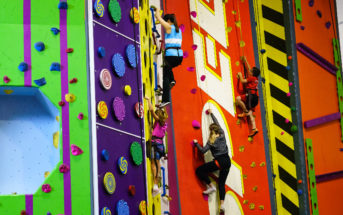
x: 249, y: 100
x: 173, y: 53
x: 217, y: 145
x: 158, y: 133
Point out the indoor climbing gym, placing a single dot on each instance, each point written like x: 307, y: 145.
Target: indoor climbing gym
x: 171, y: 107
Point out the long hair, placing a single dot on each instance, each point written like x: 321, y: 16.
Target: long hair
x: 162, y: 116
x: 214, y: 129
x: 172, y: 18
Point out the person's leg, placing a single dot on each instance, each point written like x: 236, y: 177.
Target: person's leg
x: 202, y: 173
x: 153, y: 169
x: 241, y: 104
x: 166, y: 83
x: 158, y: 172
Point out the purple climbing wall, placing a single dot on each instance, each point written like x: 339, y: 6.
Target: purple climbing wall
x: 113, y: 135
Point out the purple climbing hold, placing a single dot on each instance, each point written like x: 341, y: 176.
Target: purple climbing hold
x: 196, y: 124
x: 182, y: 28
x: 311, y: 3
x: 185, y: 54
x: 191, y: 69
x: 193, y: 91
x: 328, y: 25
x: 319, y: 14
x: 119, y: 108
x: 202, y: 78
x: 302, y: 27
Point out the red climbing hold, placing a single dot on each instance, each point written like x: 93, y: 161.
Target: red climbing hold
x: 6, y: 79
x: 290, y: 57
x: 70, y: 50
x: 72, y: 81
x: 23, y: 212
x: 132, y: 190
x: 61, y: 103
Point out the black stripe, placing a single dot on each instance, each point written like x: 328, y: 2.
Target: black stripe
x: 285, y: 150
x: 272, y: 15
x: 275, y: 41
x: 289, y: 206
x: 280, y: 121
x: 279, y: 95
x: 277, y: 68
x: 288, y: 179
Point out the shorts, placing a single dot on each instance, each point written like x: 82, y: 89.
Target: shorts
x: 159, y: 151
x: 250, y: 100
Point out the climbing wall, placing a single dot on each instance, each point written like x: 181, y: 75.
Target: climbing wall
x: 44, y: 65
x: 118, y: 156
x: 320, y: 82
x: 207, y: 79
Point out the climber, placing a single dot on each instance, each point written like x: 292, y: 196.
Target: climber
x: 173, y: 55
x: 249, y: 100
x: 158, y: 133
x: 217, y: 145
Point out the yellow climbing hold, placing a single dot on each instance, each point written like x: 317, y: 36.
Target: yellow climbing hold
x: 55, y: 139
x: 234, y: 12
x: 245, y: 201
x: 127, y: 90
x: 8, y: 92
x: 253, y: 164
x: 46, y: 174
x: 252, y: 206
x: 262, y: 164
x: 254, y: 188
x: 237, y: 63
x: 58, y: 118
x: 69, y: 97
x: 241, y: 148
x: 250, y: 139
x: 238, y: 122
x: 261, y: 207
x: 238, y: 24
x: 134, y: 14
x: 229, y: 29
x: 245, y: 176
x: 241, y: 43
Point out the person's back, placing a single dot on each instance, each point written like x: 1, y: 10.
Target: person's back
x: 173, y: 40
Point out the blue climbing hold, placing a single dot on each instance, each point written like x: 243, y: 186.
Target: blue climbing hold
x: 311, y: 3
x: 101, y: 52
x: 300, y: 192
x: 122, y: 208
x: 63, y: 5
x: 131, y: 55
x: 105, y: 155
x: 40, y: 82
x: 39, y: 46
x: 263, y: 80
x: 263, y: 51
x: 118, y: 64
x: 55, y: 67
x: 319, y: 14
x: 288, y: 68
x: 55, y: 31
x: 23, y: 67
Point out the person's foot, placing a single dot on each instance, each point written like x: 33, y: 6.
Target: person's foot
x: 163, y: 104
x: 155, y: 190
x: 209, y: 190
x: 172, y: 84
x: 253, y: 132
x: 222, y: 210
x: 244, y: 114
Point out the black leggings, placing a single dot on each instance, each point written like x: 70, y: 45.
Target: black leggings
x: 224, y: 163
x: 168, y: 76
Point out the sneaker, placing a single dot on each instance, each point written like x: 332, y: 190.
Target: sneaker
x: 163, y: 104
x: 155, y: 190
x: 172, y: 84
x: 244, y: 114
x: 209, y: 190
x: 222, y: 210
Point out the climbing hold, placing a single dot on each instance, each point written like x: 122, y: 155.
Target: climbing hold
x: 262, y: 164
x: 193, y: 14
x: 46, y: 188
x: 57, y: 118
x: 311, y: 3
x: 282, y: 133
x: 64, y: 168
x: 254, y: 188
x: 290, y: 84
x: 207, y: 112
x: 61, y: 103
x: 261, y: 207
x: 139, y: 108
x: 106, y: 79
x: 23, y: 67
x: 80, y: 116
x: 46, y: 174
x: 101, y: 52
x: 196, y: 124
x: 228, y: 29
x: 194, y: 47
x: 55, y: 31
x: 237, y: 63
x: 288, y: 94
x: 203, y: 77
x: 234, y: 12
x: 102, y: 110
x: 130, y: 52
x: 253, y: 164
x: 132, y: 190
x: 69, y: 50
x: 99, y: 8
x: 238, y: 24
x: 286, y: 120
x: 123, y: 165
x: 263, y: 80
x: 23, y: 212
x: 72, y: 81
x: 300, y: 181
x: 118, y: 64
x: 319, y: 13
x: 55, y: 139
x: 142, y: 207
x: 300, y: 191
x: 49, y: 213
x: 55, y: 67
x: 136, y: 153
x: 290, y: 57
x: 241, y: 149
x: 106, y: 211
x: 182, y: 28
x: 8, y: 92
x: 341, y: 149
x: 245, y: 201
x: 241, y: 43
x: 6, y: 79
x: 293, y: 109
x: 122, y: 208
x: 190, y: 69
x: 115, y: 10
x: 288, y: 68
x: 250, y: 139
x: 194, y: 91
x: 69, y: 97
x: 263, y: 51
x: 134, y: 15
x: 205, y: 197
x: 105, y: 155
x: 119, y: 108
x: 328, y: 25
x: 109, y: 182
x: 238, y: 122
x: 127, y: 90
x: 294, y: 128
x: 251, y: 206
x: 63, y: 4
x: 185, y: 54
x: 40, y: 82
x: 245, y: 176
x: 75, y: 150
x: 302, y: 27
x: 39, y: 46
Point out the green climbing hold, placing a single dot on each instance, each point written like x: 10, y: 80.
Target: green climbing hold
x: 136, y: 153
x: 293, y: 109
x: 294, y: 128
x: 115, y: 10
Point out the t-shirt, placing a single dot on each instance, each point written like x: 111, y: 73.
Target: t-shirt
x: 159, y: 131
x: 252, y: 83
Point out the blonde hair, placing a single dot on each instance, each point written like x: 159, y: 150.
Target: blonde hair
x: 162, y: 115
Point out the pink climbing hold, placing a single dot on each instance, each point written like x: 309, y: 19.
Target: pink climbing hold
x: 286, y: 120
x: 75, y: 150
x: 207, y: 112
x: 205, y: 197
x: 196, y: 124
x: 182, y: 28
x: 72, y: 81
x: 193, y: 91
x: 288, y: 94
x: 282, y: 132
x: 80, y: 116
x: 194, y: 14
x: 290, y: 84
x: 185, y: 54
x: 194, y: 47
x: 46, y: 188
x: 6, y: 79
x: 64, y: 168
x: 202, y: 78
x: 191, y: 69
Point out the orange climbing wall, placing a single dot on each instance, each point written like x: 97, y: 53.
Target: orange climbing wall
x: 187, y: 107
x: 318, y: 96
